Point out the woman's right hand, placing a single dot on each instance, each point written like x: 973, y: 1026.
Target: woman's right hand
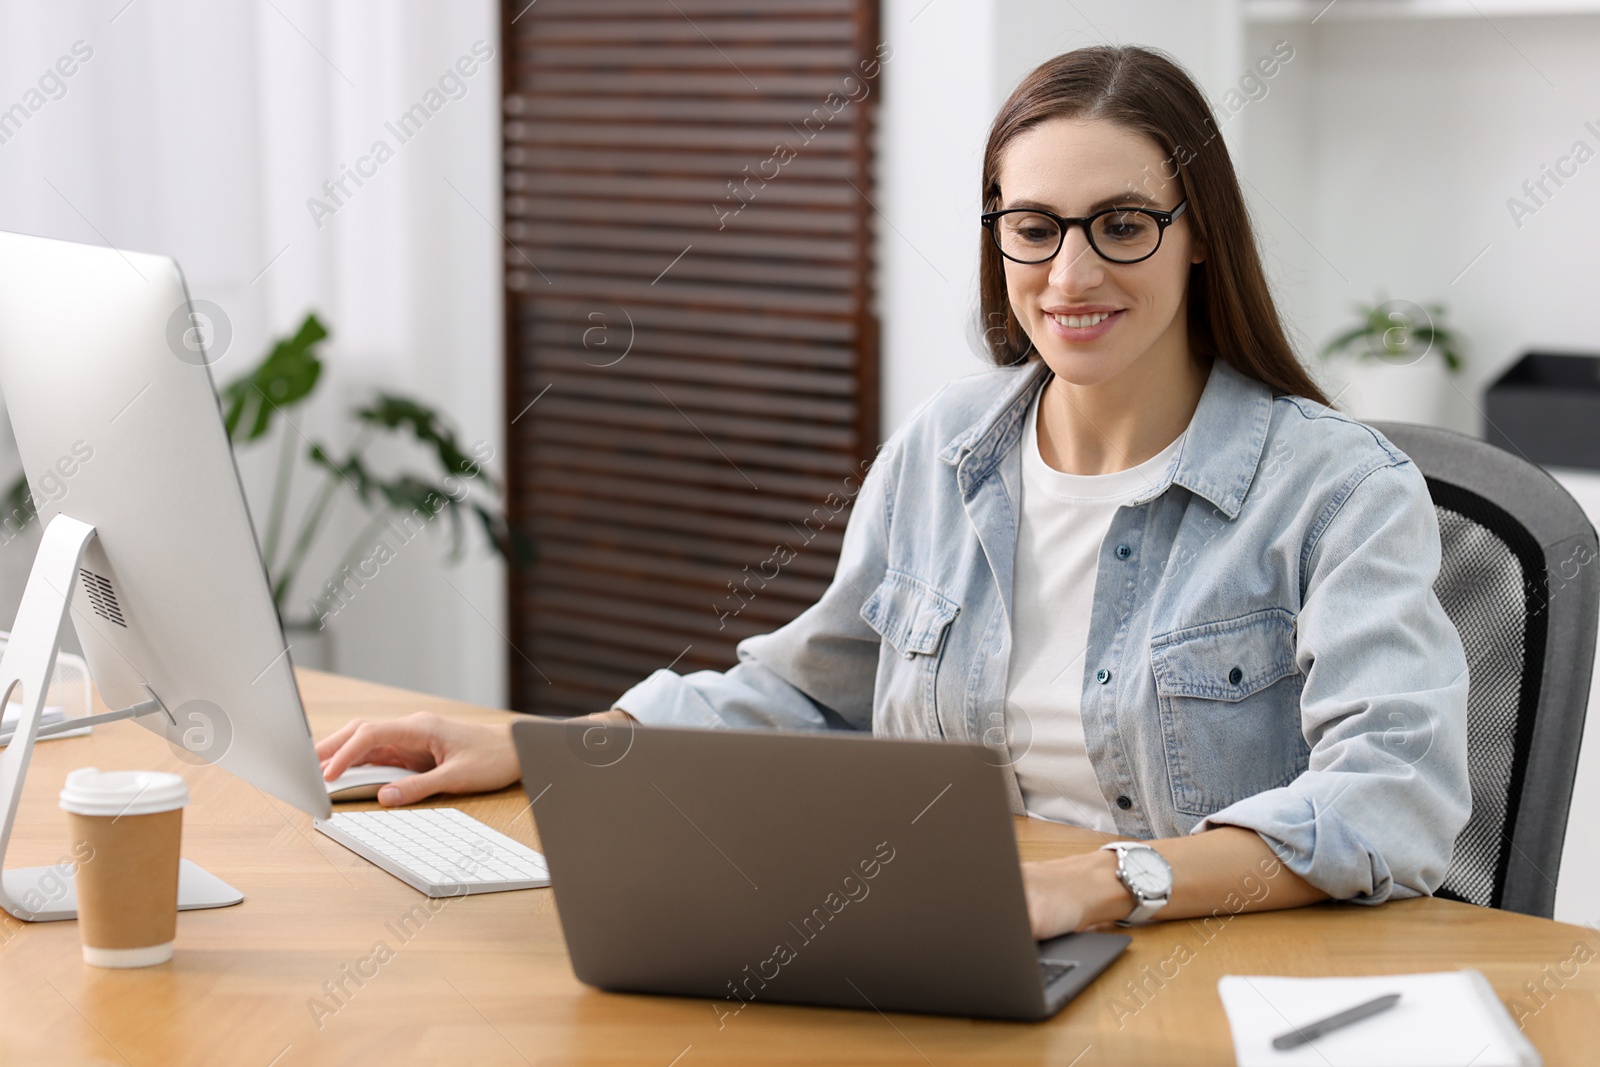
x: 450, y: 756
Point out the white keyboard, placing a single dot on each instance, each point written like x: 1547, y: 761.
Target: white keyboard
x: 443, y: 852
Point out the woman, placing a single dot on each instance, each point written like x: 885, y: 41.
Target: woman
x: 1180, y: 598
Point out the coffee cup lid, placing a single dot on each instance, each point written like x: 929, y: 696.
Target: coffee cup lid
x: 91, y: 791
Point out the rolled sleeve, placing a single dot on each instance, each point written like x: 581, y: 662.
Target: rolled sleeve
x: 1383, y: 708
x: 816, y: 672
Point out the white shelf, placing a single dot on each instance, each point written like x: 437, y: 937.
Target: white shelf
x: 1305, y: 11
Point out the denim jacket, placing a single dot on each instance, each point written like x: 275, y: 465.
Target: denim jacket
x: 1265, y: 646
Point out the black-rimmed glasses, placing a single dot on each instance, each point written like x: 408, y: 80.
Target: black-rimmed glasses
x: 1119, y: 234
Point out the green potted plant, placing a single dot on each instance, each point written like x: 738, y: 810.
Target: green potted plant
x: 398, y: 507
x: 1394, y: 362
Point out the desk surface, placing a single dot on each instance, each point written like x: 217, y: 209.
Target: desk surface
x: 485, y: 980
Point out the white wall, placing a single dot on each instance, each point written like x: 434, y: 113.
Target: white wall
x: 1385, y: 156
x: 200, y: 130
x: 1578, y: 884
x: 937, y: 103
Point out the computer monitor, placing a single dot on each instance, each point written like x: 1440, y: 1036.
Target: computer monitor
x: 148, y: 545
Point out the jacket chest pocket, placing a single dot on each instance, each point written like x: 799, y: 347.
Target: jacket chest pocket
x: 1229, y: 696
x: 912, y: 618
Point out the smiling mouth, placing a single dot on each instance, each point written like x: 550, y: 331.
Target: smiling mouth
x: 1078, y: 322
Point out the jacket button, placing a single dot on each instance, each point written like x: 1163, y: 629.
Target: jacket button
x: 1102, y: 676
x: 1123, y: 551
x: 1234, y: 676
x: 1124, y: 803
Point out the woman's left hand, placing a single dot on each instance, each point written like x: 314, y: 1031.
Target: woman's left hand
x: 1074, y: 893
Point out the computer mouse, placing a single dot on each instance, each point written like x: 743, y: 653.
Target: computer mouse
x: 363, y: 782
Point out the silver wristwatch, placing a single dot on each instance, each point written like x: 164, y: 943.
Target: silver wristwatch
x: 1146, y: 874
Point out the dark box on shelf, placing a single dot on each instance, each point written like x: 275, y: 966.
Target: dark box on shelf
x: 1546, y: 407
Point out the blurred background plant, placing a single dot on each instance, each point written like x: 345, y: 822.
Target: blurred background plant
x: 1397, y: 332
x: 287, y: 376
x: 1394, y: 363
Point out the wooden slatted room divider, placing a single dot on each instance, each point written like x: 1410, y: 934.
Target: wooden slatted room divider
x: 692, y: 349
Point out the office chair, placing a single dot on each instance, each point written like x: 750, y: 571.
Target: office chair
x: 1520, y: 579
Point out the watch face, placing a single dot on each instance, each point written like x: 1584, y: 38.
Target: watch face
x: 1147, y: 871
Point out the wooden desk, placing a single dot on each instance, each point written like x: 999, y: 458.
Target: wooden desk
x: 485, y: 980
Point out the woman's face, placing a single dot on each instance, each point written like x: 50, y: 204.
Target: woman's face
x: 1074, y: 168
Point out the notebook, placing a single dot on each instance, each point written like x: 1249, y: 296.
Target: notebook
x: 1446, y: 1019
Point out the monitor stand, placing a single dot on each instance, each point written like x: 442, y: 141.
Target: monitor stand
x: 46, y: 894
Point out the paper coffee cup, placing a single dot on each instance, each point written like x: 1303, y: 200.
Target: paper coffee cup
x: 127, y: 827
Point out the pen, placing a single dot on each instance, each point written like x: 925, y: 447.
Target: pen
x: 1311, y: 1031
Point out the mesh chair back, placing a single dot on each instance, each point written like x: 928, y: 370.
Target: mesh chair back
x: 1521, y: 581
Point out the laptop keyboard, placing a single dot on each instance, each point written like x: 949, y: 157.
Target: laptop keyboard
x: 1050, y: 970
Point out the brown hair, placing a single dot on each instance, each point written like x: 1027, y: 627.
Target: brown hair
x: 1231, y: 314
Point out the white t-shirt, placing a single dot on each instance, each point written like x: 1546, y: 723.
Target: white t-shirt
x: 1064, y: 519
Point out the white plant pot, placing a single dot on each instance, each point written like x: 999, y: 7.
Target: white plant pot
x: 1375, y: 391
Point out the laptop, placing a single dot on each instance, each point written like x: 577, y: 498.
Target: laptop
x: 758, y: 866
